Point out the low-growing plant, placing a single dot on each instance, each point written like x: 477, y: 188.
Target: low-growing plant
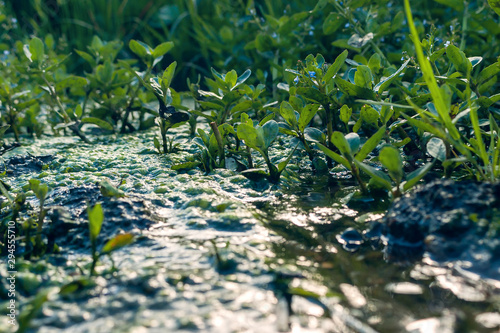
x: 149, y: 57
x: 227, y: 100
x: 438, y: 120
x: 351, y: 151
x: 14, y: 102
x: 260, y: 138
x: 40, y: 191
x: 54, y: 85
x: 297, y: 117
x: 390, y: 158
x: 169, y: 117
x: 96, y: 218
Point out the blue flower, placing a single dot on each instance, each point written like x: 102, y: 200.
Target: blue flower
x: 312, y: 74
x: 296, y: 80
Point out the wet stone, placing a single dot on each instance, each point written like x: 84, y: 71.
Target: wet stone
x: 22, y: 164
x: 351, y: 239
x: 446, y: 219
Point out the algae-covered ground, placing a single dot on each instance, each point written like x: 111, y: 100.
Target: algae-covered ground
x: 219, y: 253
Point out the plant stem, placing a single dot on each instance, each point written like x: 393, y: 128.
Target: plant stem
x: 220, y: 143
x: 164, y: 135
x: 53, y: 94
x: 131, y: 103
x: 41, y: 215
x: 355, y: 172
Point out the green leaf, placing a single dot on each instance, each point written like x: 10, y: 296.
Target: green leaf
x: 458, y: 5
x: 341, y: 143
x: 117, y: 242
x: 99, y: 122
x: 270, y: 131
x: 429, y: 76
x: 353, y: 90
x: 139, y: 48
x: 332, y: 23
x: 72, y: 81
x: 477, y: 132
x: 335, y: 67
x: 354, y: 141
x: 458, y: 58
x: 87, y: 57
x: 345, y: 113
x: 242, y: 106
x: 288, y: 113
x: 391, y: 159
x: 379, y: 176
x: 425, y: 126
x: 109, y: 190
x: 437, y: 149
x: 313, y: 94
x: 105, y: 72
x: 78, y: 111
x: 375, y: 63
x: 37, y: 49
x: 3, y: 128
x: 96, y: 217
x: 413, y: 177
x: 315, y: 135
x: 167, y: 76
x: 369, y: 115
x: 157, y: 145
x: 370, y: 144
x: 39, y: 189
x: 297, y: 103
x: 495, y: 5
x: 334, y: 156
x: 255, y: 174
x: 306, y: 115
x: 185, y: 166
x: 243, y: 77
x: 162, y: 49
x: 266, y: 119
x: 251, y: 137
x: 488, y: 72
x: 384, y: 84
x: 282, y: 165
x: 231, y: 78
x: 363, y: 77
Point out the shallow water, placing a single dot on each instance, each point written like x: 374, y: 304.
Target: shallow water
x: 219, y: 253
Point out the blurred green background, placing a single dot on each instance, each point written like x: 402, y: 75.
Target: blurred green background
x: 263, y: 35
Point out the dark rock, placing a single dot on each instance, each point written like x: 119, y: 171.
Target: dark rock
x: 20, y: 164
x: 446, y: 219
x: 351, y: 239
x: 68, y: 214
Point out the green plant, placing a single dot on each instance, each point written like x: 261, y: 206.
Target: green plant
x: 169, y: 117
x: 390, y: 158
x: 40, y: 191
x: 349, y: 147
x: 15, y: 102
x: 297, y: 116
x: 213, y: 145
x: 228, y: 99
x: 96, y: 218
x: 150, y: 57
x: 441, y: 124
x: 260, y: 138
x: 55, y: 85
